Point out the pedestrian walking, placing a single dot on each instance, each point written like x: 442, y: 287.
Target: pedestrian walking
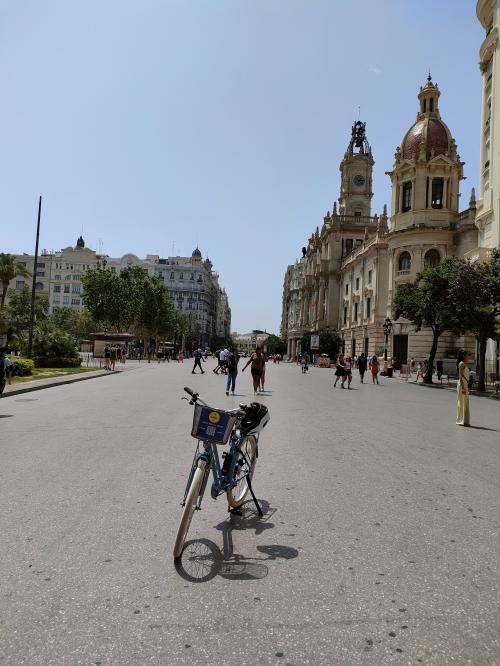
x: 232, y: 360
x: 255, y: 361
x: 107, y: 354
x: 263, y: 373
x: 198, y: 355
x: 362, y: 363
x: 421, y: 370
x: 374, y: 369
x: 348, y: 373
x: 439, y: 368
x: 463, y: 410
x: 218, y: 366
x: 3, y: 369
x: 340, y: 370
x: 304, y: 363
x: 112, y: 358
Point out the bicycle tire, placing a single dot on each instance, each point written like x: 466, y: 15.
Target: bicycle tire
x: 189, y: 508
x: 236, y: 495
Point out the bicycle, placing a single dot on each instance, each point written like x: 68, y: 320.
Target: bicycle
x: 240, y: 428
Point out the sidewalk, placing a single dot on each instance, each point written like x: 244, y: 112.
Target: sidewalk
x: 448, y: 386
x: 37, y: 384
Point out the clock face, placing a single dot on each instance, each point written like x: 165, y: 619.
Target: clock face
x: 359, y: 181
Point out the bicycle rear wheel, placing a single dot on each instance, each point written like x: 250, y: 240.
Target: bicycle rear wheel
x: 189, y: 508
x: 244, y: 469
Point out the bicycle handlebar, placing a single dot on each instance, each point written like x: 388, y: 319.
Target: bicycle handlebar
x: 188, y: 390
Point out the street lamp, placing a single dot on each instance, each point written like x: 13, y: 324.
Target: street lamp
x: 387, y: 326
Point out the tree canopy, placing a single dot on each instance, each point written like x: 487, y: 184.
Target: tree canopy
x: 429, y: 302
x: 9, y: 269
x: 130, y: 300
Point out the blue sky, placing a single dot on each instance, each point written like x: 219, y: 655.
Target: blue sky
x: 218, y: 123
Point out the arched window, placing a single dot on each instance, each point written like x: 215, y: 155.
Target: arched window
x: 404, y: 263
x: 432, y: 258
x: 39, y: 286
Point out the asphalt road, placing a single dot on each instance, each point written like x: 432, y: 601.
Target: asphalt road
x: 379, y: 544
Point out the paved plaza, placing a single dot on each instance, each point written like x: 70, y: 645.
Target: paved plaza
x: 379, y: 543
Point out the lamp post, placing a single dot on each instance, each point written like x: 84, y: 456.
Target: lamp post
x: 387, y: 326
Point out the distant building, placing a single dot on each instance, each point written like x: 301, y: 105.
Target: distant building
x: 248, y: 342
x: 192, y: 284
x: 352, y: 267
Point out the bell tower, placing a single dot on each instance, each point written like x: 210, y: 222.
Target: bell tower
x: 427, y: 171
x: 356, y: 180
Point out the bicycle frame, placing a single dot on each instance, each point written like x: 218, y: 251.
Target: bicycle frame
x: 210, y: 455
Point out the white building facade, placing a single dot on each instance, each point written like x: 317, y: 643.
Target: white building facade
x: 192, y: 283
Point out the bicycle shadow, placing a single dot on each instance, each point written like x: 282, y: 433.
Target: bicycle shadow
x: 202, y: 559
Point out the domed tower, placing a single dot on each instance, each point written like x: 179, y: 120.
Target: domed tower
x: 196, y: 254
x: 356, y: 169
x: 427, y: 171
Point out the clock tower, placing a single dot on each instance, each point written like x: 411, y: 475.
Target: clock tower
x: 356, y: 169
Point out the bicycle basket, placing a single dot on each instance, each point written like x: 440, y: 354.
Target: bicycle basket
x: 212, y: 425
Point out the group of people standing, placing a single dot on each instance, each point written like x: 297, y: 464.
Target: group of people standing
x: 343, y: 369
x: 112, y: 354
x: 227, y: 364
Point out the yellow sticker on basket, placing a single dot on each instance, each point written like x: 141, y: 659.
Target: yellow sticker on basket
x: 214, y: 417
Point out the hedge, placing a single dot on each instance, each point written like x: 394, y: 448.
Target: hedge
x: 22, y: 366
x: 57, y: 362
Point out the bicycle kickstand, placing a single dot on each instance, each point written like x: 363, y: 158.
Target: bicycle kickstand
x: 259, y: 510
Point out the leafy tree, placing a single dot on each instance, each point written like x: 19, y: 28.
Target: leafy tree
x: 275, y: 345
x: 156, y: 317
x: 78, y: 323
x: 475, y: 292
x: 18, y: 310
x: 105, y: 297
x: 429, y: 302
x: 329, y: 343
x: 9, y: 269
x: 49, y: 341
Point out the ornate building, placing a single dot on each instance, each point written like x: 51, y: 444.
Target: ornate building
x: 192, y: 283
x: 352, y: 267
x: 488, y: 204
x: 312, y: 298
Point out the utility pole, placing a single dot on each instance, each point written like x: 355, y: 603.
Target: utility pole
x: 33, y: 284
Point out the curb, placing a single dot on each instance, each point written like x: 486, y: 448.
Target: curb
x: 72, y: 380
x: 479, y: 394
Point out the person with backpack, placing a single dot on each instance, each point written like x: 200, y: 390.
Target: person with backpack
x: 232, y: 360
x: 198, y: 355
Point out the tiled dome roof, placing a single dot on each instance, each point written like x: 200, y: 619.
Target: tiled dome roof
x: 435, y: 134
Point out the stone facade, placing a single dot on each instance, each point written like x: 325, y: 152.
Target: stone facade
x: 247, y: 342
x: 488, y: 204
x: 192, y: 283
x: 352, y: 266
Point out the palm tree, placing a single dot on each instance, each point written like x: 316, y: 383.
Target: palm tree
x: 9, y: 269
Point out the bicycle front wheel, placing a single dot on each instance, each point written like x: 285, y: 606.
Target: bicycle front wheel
x: 189, y: 508
x: 244, y: 469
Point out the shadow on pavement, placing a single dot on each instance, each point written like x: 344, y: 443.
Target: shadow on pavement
x: 202, y: 559
x: 6, y: 416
